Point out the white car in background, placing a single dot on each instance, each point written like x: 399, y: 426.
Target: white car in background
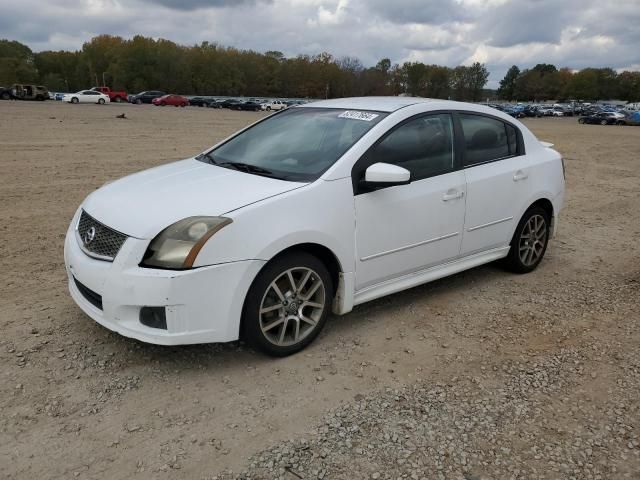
x: 273, y: 105
x: 316, y: 209
x: 86, y: 96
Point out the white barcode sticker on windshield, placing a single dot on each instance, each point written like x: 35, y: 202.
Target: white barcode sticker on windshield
x: 354, y: 115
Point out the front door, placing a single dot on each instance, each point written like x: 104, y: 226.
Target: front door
x: 406, y: 228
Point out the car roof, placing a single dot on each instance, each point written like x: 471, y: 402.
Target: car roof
x: 381, y: 104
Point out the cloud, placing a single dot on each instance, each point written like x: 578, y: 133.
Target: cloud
x: 430, y: 12
x: 196, y: 4
x: 573, y: 33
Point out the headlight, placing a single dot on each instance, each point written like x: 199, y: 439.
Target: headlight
x: 177, y: 246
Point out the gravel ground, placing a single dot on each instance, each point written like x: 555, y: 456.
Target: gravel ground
x: 483, y: 375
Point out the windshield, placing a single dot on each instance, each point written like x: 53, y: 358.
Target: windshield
x: 299, y: 144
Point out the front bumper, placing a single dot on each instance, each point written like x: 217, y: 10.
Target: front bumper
x: 202, y: 305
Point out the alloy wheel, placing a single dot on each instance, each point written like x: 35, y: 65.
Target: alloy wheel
x: 533, y: 240
x: 292, y: 306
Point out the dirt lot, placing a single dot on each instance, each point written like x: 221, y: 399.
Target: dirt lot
x: 482, y: 375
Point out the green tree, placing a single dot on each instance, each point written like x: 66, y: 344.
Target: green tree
x: 508, y: 83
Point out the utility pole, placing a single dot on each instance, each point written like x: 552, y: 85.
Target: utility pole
x: 104, y: 84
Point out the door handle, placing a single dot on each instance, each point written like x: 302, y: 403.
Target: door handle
x: 452, y: 195
x: 520, y: 175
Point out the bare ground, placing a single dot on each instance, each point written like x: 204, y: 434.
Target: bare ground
x: 551, y: 357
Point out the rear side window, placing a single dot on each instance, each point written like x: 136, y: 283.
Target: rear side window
x: 487, y: 139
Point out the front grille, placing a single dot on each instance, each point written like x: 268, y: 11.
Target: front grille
x: 97, y: 239
x: 92, y: 297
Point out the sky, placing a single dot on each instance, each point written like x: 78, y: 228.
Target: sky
x: 499, y: 33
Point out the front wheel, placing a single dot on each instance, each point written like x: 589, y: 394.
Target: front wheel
x: 138, y: 102
x: 529, y: 242
x: 74, y: 100
x: 288, y: 304
x: 101, y: 101
x: 118, y: 99
x: 603, y: 122
x: 581, y: 120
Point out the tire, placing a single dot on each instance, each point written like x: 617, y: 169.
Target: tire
x: 274, y: 331
x: 268, y: 109
x: 621, y: 123
x: 6, y: 96
x: 75, y: 100
x: 603, y: 122
x: 101, y: 101
x: 138, y: 102
x: 117, y: 99
x: 163, y: 104
x: 523, y: 256
x: 581, y: 120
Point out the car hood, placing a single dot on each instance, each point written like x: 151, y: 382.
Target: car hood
x: 143, y: 204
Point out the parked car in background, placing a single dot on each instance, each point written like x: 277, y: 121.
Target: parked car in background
x: 173, y: 100
x: 631, y: 118
x: 215, y: 104
x: 20, y: 91
x: 531, y: 111
x: 200, y: 101
x: 557, y: 112
x: 273, y: 105
x: 318, y: 208
x: 229, y: 103
x: 114, y: 96
x: 602, y: 118
x: 250, y: 105
x: 59, y: 96
x: 145, y: 97
x: 86, y: 96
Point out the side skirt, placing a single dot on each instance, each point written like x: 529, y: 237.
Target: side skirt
x: 428, y: 275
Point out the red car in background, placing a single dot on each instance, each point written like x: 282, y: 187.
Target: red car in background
x: 175, y: 100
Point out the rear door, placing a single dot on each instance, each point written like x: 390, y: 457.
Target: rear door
x: 497, y: 177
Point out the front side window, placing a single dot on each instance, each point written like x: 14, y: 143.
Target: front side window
x: 486, y: 139
x: 424, y: 146
x: 298, y: 144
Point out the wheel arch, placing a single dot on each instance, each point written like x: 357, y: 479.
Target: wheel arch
x: 322, y: 253
x: 546, y: 204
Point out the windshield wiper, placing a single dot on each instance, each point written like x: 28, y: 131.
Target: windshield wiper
x: 245, y: 167
x: 242, y: 167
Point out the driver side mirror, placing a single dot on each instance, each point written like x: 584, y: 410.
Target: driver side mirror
x: 380, y: 175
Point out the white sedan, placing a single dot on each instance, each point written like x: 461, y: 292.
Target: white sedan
x: 316, y: 209
x: 273, y: 105
x: 86, y: 96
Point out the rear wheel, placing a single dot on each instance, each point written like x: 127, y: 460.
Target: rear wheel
x: 581, y: 120
x: 288, y: 304
x: 603, y: 122
x: 118, y: 99
x: 138, y: 102
x: 6, y: 96
x: 101, y: 101
x: 529, y: 242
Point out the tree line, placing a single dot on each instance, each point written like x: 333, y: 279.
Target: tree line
x: 547, y: 82
x: 143, y: 63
